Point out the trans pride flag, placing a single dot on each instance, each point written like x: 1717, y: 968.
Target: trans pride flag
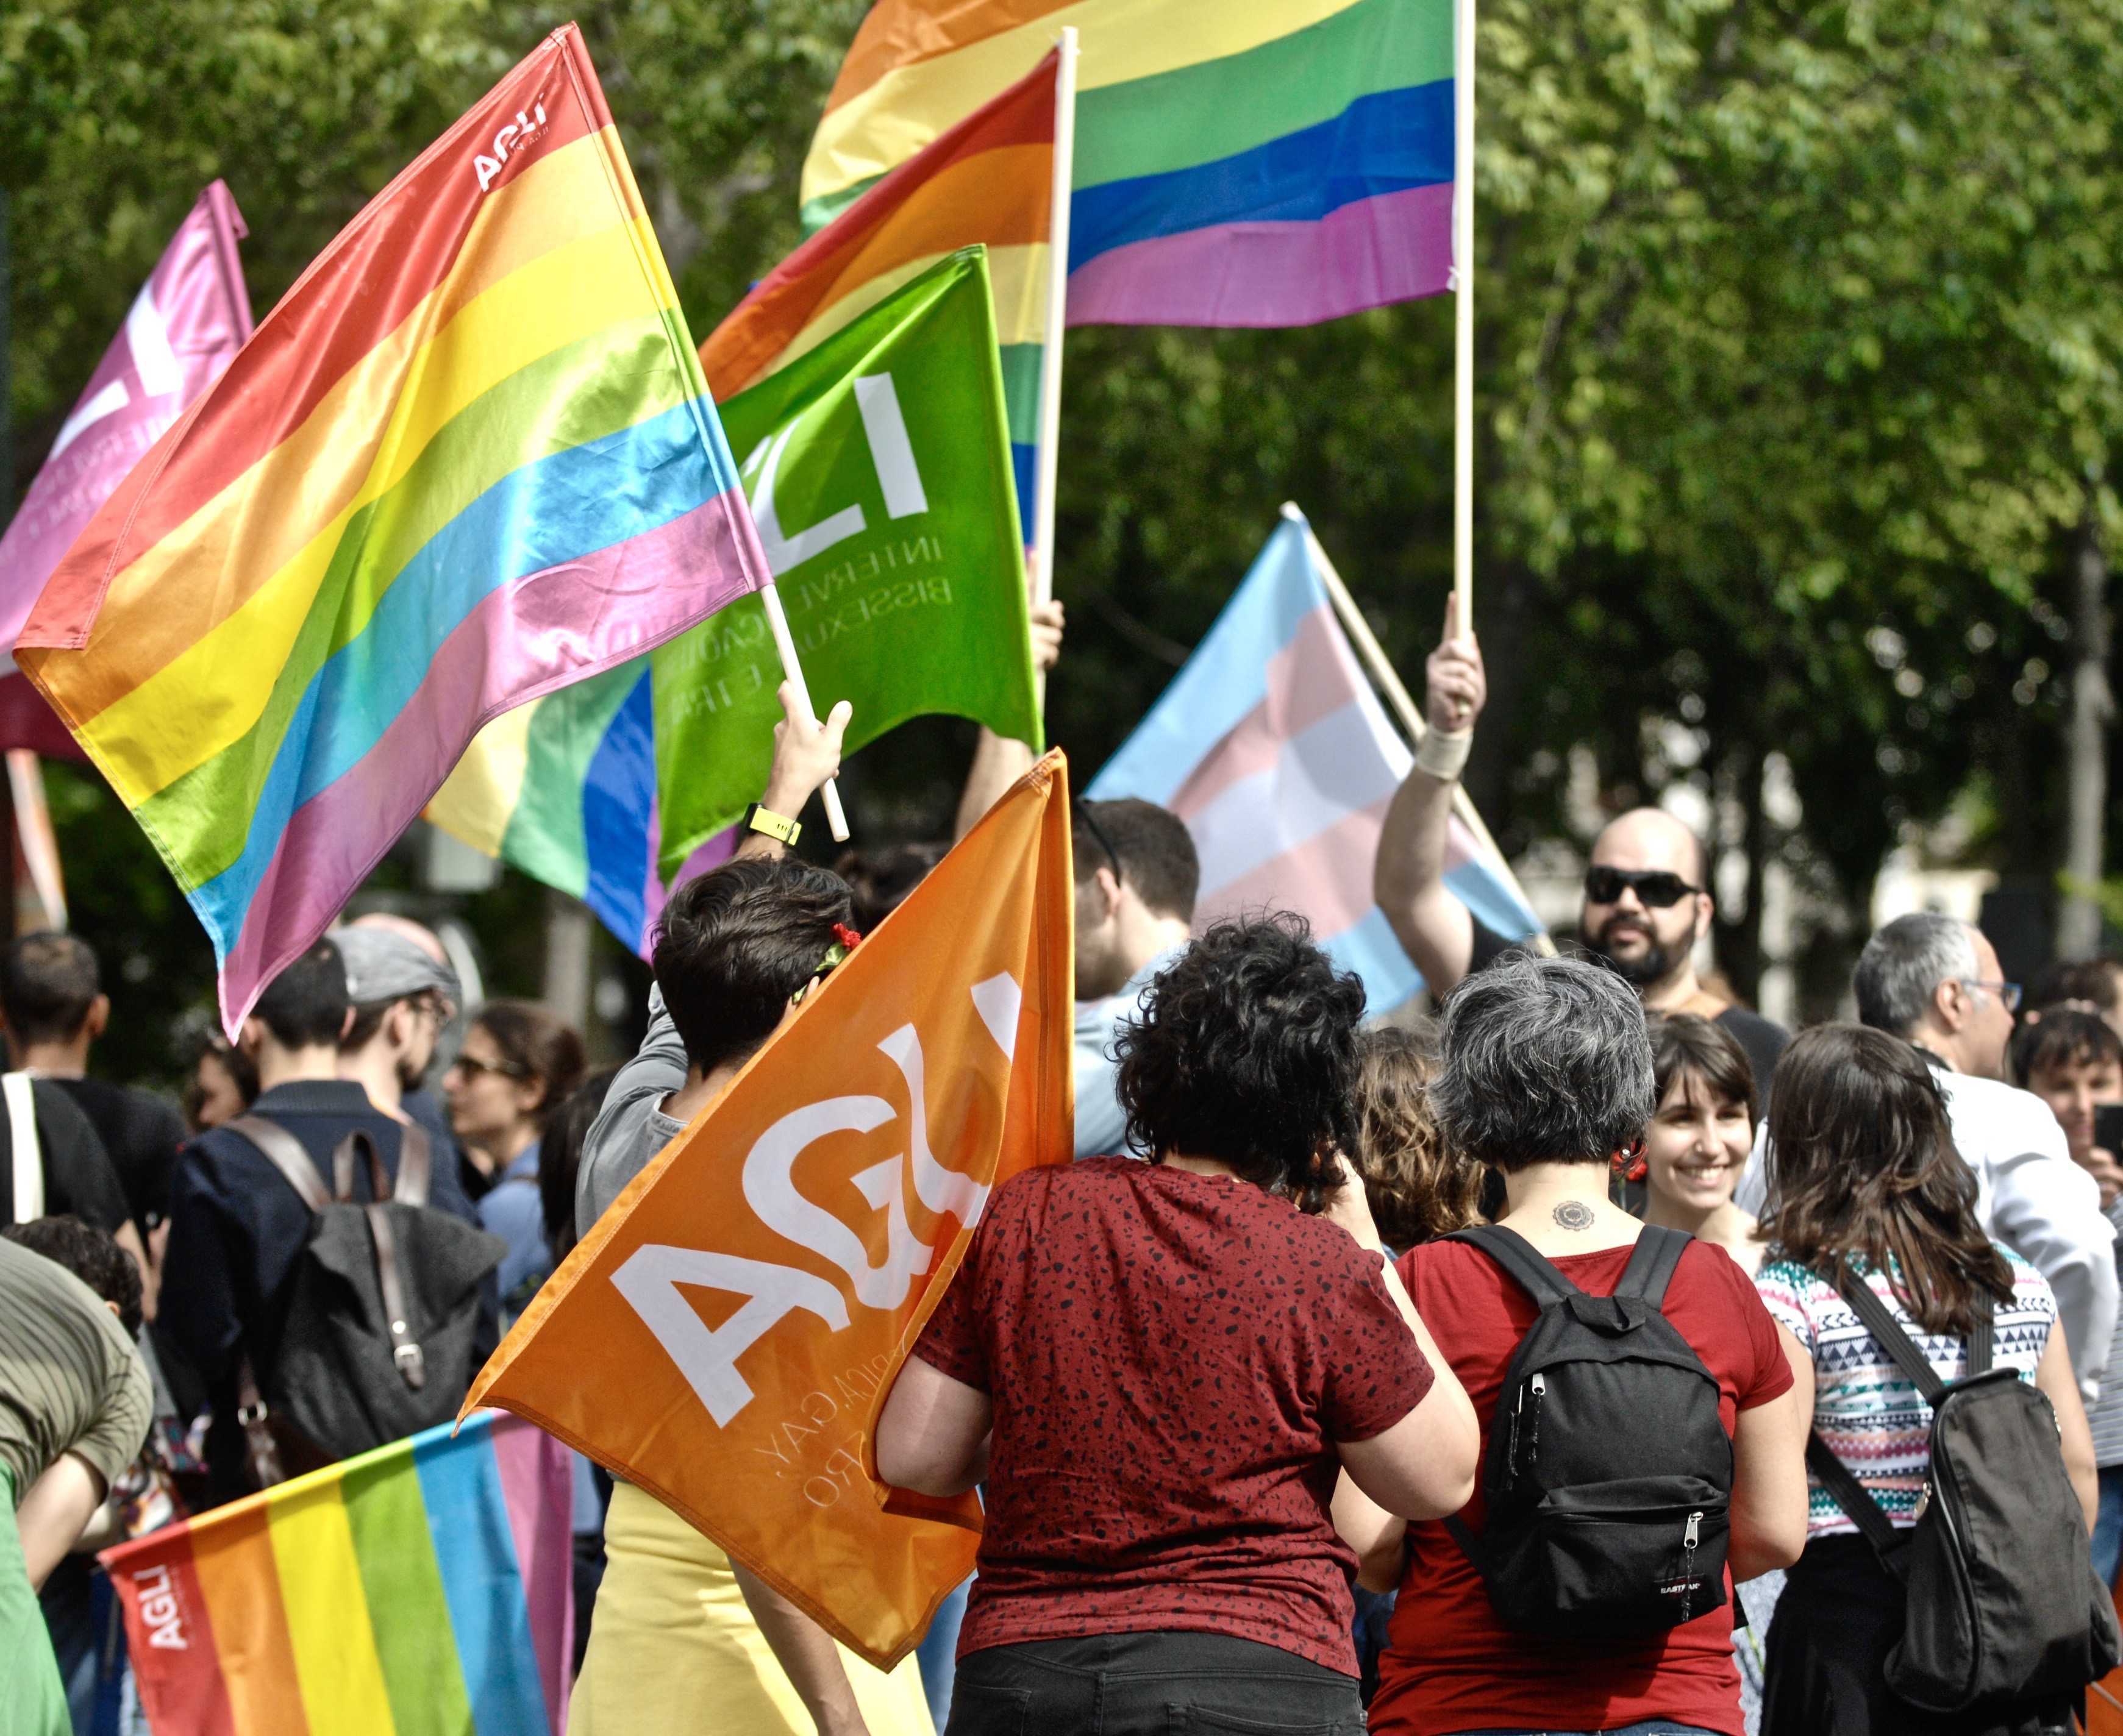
x: 423, y: 1589
x: 1271, y: 746
x: 1273, y: 162
x: 469, y: 460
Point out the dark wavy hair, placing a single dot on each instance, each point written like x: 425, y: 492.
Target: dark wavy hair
x: 560, y: 1158
x: 535, y: 1046
x: 1861, y: 1161
x: 1245, y: 1052
x: 1419, y: 1188
x: 2063, y: 1037
x: 91, y: 1255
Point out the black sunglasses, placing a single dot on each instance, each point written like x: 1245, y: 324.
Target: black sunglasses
x: 1656, y: 889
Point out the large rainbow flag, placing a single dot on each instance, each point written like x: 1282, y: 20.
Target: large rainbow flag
x: 989, y: 178
x: 1273, y: 162
x: 423, y: 1589
x: 470, y: 459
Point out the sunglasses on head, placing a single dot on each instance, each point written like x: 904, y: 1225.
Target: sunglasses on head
x: 1656, y: 889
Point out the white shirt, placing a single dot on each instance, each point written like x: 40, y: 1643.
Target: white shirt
x: 1101, y: 1122
x: 2030, y: 1196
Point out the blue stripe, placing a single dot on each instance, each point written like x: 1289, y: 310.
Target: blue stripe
x: 1386, y: 143
x: 1371, y: 951
x: 1476, y: 885
x: 475, y: 1552
x: 619, y: 797
x: 561, y: 508
x: 1024, y: 465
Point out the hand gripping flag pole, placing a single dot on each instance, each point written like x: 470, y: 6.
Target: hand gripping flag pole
x: 792, y: 671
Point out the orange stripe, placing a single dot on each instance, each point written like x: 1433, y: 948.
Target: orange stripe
x: 900, y: 32
x: 999, y: 197
x: 233, y: 1554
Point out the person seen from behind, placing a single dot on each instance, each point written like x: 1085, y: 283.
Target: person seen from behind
x: 224, y: 1084
x: 1697, y: 1140
x: 1865, y: 1184
x: 1159, y: 1371
x: 1417, y: 1188
x: 1546, y: 1074
x: 403, y: 997
x: 2073, y: 1060
x: 512, y: 1073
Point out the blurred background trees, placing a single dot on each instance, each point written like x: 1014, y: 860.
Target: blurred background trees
x: 1799, y: 368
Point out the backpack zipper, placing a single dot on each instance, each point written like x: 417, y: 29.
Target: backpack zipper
x: 1538, y: 1386
x: 1688, y: 1540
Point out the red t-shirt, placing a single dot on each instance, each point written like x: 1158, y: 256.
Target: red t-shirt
x: 1171, y: 1357
x: 1450, y: 1665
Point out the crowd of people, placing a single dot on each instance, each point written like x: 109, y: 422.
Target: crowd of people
x: 1594, y: 1355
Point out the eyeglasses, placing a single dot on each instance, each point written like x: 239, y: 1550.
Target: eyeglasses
x: 471, y: 1067
x: 1656, y: 889
x: 2007, y: 993
x: 1083, y: 811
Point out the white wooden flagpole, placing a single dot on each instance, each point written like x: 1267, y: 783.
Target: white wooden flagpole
x: 1462, y: 282
x: 792, y: 671
x: 1057, y: 302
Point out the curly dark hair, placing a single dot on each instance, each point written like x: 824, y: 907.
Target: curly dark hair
x: 91, y: 1255
x: 1861, y: 1161
x: 1418, y: 1188
x: 1245, y: 1052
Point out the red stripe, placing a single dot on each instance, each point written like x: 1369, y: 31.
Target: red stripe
x: 782, y: 304
x: 354, y: 294
x: 174, y: 1660
x: 901, y: 33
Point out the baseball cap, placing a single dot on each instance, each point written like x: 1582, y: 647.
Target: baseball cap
x: 383, y: 967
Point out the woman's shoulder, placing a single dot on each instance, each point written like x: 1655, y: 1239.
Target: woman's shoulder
x: 2031, y: 1291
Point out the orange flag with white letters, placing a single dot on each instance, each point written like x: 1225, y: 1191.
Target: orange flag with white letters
x: 724, y: 1335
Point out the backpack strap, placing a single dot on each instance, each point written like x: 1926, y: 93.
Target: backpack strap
x: 404, y: 1351
x: 358, y: 1143
x: 1856, y: 1500
x: 1522, y: 1259
x: 1880, y: 1323
x: 1652, y: 1263
x: 416, y: 1166
x: 25, y: 1159
x: 286, y: 1153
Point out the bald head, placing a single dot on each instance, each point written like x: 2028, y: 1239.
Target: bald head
x: 405, y: 929
x: 1647, y: 838
x: 1646, y: 916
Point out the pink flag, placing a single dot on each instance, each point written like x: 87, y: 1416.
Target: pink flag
x: 190, y: 316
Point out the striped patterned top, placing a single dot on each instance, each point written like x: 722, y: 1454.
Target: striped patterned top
x: 2104, y: 1416
x: 1871, y: 1415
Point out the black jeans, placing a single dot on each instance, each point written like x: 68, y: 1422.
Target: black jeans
x: 1151, y: 1684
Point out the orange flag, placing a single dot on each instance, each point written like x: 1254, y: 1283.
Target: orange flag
x: 724, y: 1337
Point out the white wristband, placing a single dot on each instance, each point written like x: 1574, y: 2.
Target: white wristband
x: 1444, y: 756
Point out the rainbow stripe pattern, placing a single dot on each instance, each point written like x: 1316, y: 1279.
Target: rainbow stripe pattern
x: 470, y: 459
x: 423, y: 1589
x: 987, y: 178
x: 1272, y: 163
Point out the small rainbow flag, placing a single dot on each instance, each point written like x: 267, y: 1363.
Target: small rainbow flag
x: 989, y: 179
x: 1272, y: 163
x: 470, y: 459
x: 423, y: 1589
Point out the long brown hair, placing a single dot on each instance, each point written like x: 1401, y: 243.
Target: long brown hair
x: 1417, y: 1191
x: 1861, y: 1162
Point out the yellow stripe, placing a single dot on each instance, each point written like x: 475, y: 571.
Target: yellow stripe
x: 1018, y: 276
x: 478, y: 799
x: 1122, y: 41
x: 194, y: 706
x: 335, y: 1660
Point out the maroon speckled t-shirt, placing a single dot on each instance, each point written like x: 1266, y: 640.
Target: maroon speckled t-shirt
x: 1171, y: 1357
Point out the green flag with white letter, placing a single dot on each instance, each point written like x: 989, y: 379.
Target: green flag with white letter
x: 877, y: 465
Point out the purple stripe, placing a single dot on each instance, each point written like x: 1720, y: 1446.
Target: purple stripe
x: 545, y: 631
x: 1393, y: 248
x: 536, y: 1483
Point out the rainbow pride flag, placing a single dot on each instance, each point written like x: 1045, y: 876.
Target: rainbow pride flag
x: 1276, y: 162
x: 988, y: 178
x: 469, y: 460
x: 424, y: 1590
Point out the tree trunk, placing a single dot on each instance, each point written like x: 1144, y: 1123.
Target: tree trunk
x: 2086, y: 745
x: 568, y: 944
x: 1738, y: 935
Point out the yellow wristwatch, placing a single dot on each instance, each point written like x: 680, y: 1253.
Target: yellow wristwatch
x: 780, y: 827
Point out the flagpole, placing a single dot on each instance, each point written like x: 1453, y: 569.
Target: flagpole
x: 1058, y: 302
x: 1404, y: 707
x: 792, y: 671
x: 1462, y: 279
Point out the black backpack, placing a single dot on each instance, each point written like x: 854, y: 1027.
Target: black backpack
x: 1609, y: 1478
x: 2003, y: 1607
x: 376, y: 1341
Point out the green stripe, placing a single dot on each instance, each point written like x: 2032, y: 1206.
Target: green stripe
x: 821, y: 210
x: 407, y: 1611
x: 1020, y: 391
x: 1202, y: 114
x: 545, y: 835
x: 579, y: 393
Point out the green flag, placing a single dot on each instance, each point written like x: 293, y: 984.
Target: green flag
x: 878, y: 469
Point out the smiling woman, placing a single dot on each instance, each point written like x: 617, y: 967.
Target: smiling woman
x: 1697, y: 1144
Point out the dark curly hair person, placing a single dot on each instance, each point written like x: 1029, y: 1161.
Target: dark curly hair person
x: 1160, y: 1370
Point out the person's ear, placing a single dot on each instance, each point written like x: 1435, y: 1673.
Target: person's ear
x: 1109, y: 890
x: 346, y: 1024
x: 250, y: 1037
x: 1706, y: 913
x: 99, y: 1016
x: 1949, y: 1006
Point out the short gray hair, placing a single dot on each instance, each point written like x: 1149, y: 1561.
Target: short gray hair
x: 1542, y: 1060
x: 1903, y: 965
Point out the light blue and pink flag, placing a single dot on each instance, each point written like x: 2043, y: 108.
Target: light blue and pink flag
x: 190, y: 316
x: 1271, y: 746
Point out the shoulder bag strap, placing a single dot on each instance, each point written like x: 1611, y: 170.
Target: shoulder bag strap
x: 1979, y: 1337
x: 27, y: 1159
x: 416, y: 1165
x: 286, y: 1153
x: 1652, y: 1263
x: 1856, y: 1500
x: 1880, y: 1323
x: 1522, y: 1259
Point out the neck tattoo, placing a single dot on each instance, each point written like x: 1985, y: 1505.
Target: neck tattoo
x: 1573, y: 1215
